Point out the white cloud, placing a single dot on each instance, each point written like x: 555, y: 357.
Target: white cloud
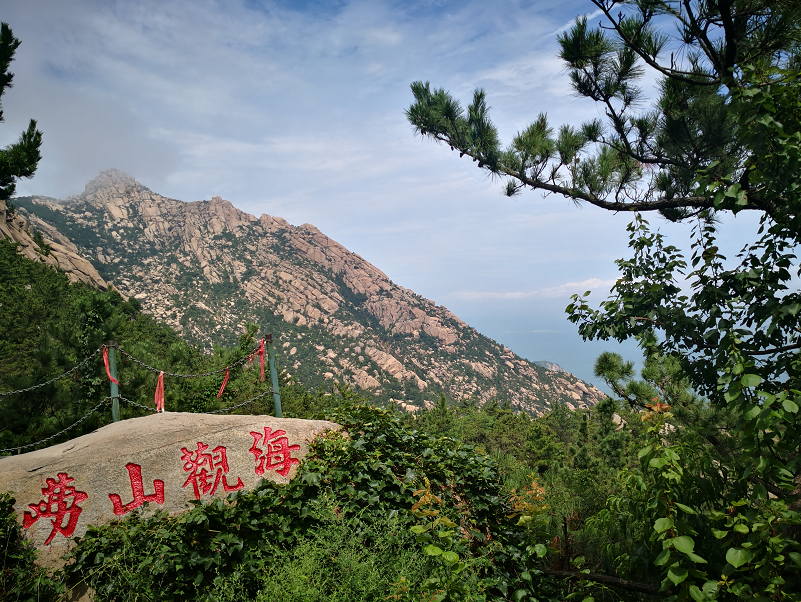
x: 562, y: 290
x: 569, y: 24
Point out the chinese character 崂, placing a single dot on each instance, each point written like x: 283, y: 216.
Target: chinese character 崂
x: 61, y: 500
x: 276, y: 452
x: 138, y: 489
x: 206, y: 481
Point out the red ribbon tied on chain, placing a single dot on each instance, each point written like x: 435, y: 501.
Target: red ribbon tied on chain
x: 225, y: 382
x: 261, y: 357
x: 108, y: 370
x: 159, y: 398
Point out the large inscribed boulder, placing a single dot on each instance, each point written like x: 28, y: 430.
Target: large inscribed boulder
x: 165, y: 459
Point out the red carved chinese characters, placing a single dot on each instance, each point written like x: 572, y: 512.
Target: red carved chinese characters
x: 138, y: 489
x: 207, y: 470
x: 61, y: 501
x: 276, y: 453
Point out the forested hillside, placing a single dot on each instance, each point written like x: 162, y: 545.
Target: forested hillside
x: 50, y: 326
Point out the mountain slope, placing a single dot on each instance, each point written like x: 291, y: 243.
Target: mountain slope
x: 207, y: 269
x: 49, y: 247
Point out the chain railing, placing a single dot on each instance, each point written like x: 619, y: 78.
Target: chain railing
x: 52, y: 380
x: 105, y: 400
x: 239, y: 405
x: 77, y: 367
x: 61, y: 432
x: 138, y: 405
x: 198, y: 375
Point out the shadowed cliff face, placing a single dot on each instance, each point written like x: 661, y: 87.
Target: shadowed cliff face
x: 207, y: 268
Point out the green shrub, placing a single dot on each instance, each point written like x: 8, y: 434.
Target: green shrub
x: 347, y: 507
x: 20, y: 579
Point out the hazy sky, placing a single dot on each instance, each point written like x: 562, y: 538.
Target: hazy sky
x: 296, y: 109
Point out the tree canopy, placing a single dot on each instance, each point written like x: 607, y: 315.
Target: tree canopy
x: 19, y: 159
x: 642, y: 158
x: 722, y: 136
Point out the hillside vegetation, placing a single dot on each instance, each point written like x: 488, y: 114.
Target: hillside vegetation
x: 570, y: 504
x: 50, y: 326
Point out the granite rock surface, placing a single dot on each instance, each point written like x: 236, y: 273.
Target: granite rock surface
x: 166, y: 460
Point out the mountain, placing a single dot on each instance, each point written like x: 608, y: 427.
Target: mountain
x: 206, y: 269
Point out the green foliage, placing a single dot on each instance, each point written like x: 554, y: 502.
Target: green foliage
x: 735, y: 338
x: 43, y: 247
x: 699, y: 505
x: 343, y: 561
x: 703, y: 529
x: 20, y: 580
x: 723, y: 135
x: 445, y: 549
x: 20, y: 159
x: 50, y: 326
x: 367, y: 477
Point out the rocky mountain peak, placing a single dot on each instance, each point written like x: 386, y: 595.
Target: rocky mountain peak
x: 109, y: 179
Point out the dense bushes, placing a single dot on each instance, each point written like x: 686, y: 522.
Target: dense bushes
x: 348, y: 505
x: 394, y: 512
x: 20, y: 579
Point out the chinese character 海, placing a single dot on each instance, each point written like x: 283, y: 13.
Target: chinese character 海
x: 276, y: 453
x: 138, y: 489
x: 207, y: 470
x: 61, y: 500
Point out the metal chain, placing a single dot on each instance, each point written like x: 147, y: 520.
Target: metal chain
x: 135, y: 360
x: 126, y: 400
x: 220, y: 371
x: 92, y: 411
x: 139, y: 405
x: 52, y: 380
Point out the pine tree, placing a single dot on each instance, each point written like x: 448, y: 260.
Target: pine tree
x: 643, y: 158
x: 20, y: 159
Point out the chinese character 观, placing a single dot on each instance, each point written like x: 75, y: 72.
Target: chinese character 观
x: 207, y: 470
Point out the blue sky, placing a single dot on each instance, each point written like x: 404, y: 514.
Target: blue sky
x: 296, y: 109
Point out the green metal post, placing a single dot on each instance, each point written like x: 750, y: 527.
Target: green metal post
x: 115, y: 390
x: 274, y: 376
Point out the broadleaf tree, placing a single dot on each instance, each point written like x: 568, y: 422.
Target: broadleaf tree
x: 723, y: 135
x: 21, y: 158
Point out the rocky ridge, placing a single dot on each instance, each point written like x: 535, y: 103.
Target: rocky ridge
x: 207, y: 268
x: 41, y: 242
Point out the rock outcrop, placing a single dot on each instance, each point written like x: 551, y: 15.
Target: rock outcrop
x: 52, y: 248
x: 207, y: 268
x: 166, y: 459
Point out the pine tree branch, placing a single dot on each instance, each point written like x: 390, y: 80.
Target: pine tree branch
x: 687, y: 77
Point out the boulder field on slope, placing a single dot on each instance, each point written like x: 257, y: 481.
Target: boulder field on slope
x: 207, y: 268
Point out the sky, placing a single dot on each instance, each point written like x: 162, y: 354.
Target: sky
x: 296, y: 109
